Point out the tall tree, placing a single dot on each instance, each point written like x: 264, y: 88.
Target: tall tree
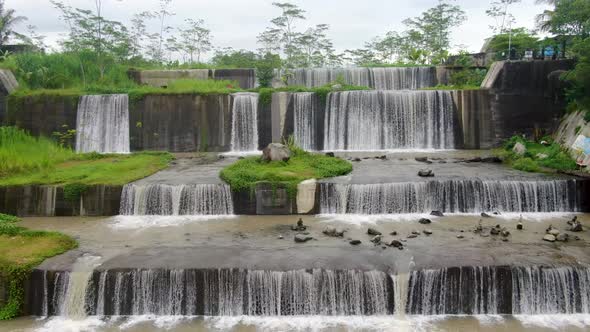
x: 162, y: 14
x: 499, y: 11
x: 8, y: 19
x: 435, y: 26
x: 283, y: 31
x: 195, y: 39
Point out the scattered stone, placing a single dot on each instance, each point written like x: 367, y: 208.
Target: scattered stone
x: 573, y: 221
x: 383, y: 157
x: 495, y: 230
x: 412, y: 236
x: 330, y: 154
x: 485, y: 235
x: 415, y: 232
x: 376, y: 239
x: 427, y: 231
x: 554, y: 232
x: 562, y: 237
x: 545, y: 143
x: 355, y: 242
x: 394, y: 233
x: 479, y: 227
x: 519, y: 149
x: 365, y: 158
x: 519, y: 226
x: 505, y: 232
x: 460, y: 236
x: 300, y: 227
x: 505, y: 239
x: 485, y: 215
x: 423, y: 160
x: 333, y: 231
x: 541, y: 156
x: 437, y: 213
x: 473, y: 160
x: 424, y: 221
x: 372, y: 231
x: 549, y: 238
x: 302, y: 238
x: 276, y: 152
x: 576, y: 226
x: 496, y: 213
x: 356, y: 159
x: 280, y: 237
x: 577, y: 238
x: 425, y: 173
x: 396, y: 244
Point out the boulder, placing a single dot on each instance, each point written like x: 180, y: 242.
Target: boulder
x: 554, y: 232
x: 437, y: 213
x: 412, y: 236
x: 460, y: 236
x: 425, y: 173
x: 333, y: 232
x: 424, y: 221
x: 423, y: 160
x: 576, y: 227
x: 519, y: 149
x: 427, y: 231
x: 276, y: 152
x: 485, y: 215
x: 396, y: 244
x: 355, y: 242
x: 329, y: 154
x: 562, y: 237
x: 301, y: 238
x: 373, y: 231
x: 519, y: 226
x: 376, y: 239
x: 549, y: 238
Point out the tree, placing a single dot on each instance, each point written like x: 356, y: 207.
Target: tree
x: 360, y: 57
x: 434, y: 25
x: 283, y: 31
x: 314, y: 48
x: 499, y: 12
x: 138, y: 33
x: 32, y: 38
x: 8, y: 19
x: 195, y: 39
x: 519, y: 39
x: 157, y: 53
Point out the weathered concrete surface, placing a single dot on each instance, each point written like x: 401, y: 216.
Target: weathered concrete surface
x: 254, y: 242
x: 306, y: 196
x: 162, y: 78
x: 181, y: 123
x: 35, y: 200
x: 272, y: 200
x: 571, y: 128
x: 42, y: 116
x: 475, y: 119
x: 246, y: 77
x: 8, y: 82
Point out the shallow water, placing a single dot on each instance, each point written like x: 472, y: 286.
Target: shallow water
x: 305, y: 323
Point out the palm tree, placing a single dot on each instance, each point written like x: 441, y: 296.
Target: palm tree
x: 543, y: 20
x: 8, y: 20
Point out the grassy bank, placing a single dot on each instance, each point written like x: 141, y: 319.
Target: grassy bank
x: 538, y: 157
x: 245, y: 173
x: 20, y: 251
x: 29, y: 160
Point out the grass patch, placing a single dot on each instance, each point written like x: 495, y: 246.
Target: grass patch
x: 20, y: 251
x: 533, y: 161
x: 265, y: 94
x: 30, y: 160
x: 245, y: 173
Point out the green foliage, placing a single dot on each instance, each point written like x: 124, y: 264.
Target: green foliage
x: 587, y: 116
x: 265, y: 94
x: 28, y: 160
x: 65, y: 137
x: 15, y: 265
x: 244, y: 174
x: 73, y: 191
x: 557, y: 158
x: 20, y: 152
x: 521, y: 40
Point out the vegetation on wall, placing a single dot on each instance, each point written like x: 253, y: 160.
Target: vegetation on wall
x: 29, y: 160
x: 244, y: 174
x: 538, y: 157
x: 21, y: 250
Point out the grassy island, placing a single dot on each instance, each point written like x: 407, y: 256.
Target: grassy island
x: 538, y: 157
x: 245, y: 173
x: 21, y: 250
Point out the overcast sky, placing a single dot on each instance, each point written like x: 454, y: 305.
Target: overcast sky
x: 236, y: 23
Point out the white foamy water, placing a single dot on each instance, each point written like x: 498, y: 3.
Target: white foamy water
x: 138, y: 222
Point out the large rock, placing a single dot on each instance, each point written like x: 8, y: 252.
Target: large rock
x: 301, y: 238
x: 425, y: 173
x: 519, y: 149
x: 276, y: 152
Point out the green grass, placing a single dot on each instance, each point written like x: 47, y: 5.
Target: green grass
x: 557, y: 158
x: 28, y: 160
x: 21, y: 250
x: 265, y: 94
x: 245, y: 173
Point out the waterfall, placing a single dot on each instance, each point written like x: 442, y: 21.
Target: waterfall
x: 102, y: 124
x: 387, y: 78
x: 382, y: 120
x: 305, y: 124
x: 467, y: 290
x: 461, y: 196
x: 540, y: 290
x: 244, y: 134
x: 163, y: 199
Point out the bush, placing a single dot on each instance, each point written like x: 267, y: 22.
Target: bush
x: 526, y: 164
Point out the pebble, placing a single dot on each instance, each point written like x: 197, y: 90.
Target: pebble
x: 427, y: 231
x: 460, y: 236
x: 549, y: 238
x: 355, y: 242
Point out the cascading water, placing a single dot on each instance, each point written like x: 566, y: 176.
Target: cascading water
x: 102, y: 124
x: 384, y: 120
x: 305, y: 124
x: 461, y: 196
x: 163, y: 199
x: 389, y: 78
x: 244, y: 134
x: 232, y: 292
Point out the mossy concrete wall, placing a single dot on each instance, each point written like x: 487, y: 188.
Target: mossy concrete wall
x: 47, y: 201
x: 245, y: 77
